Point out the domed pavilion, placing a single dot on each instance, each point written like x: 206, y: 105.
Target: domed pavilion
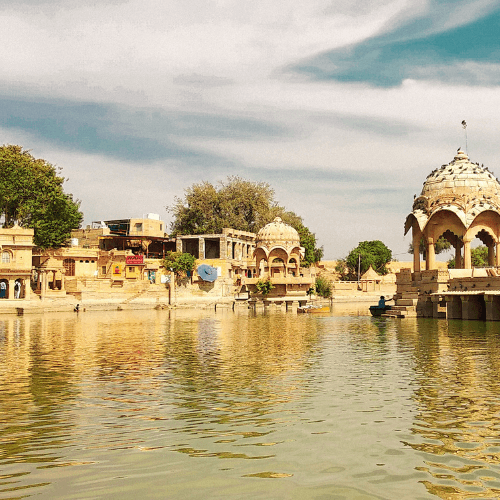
x: 459, y: 201
x: 278, y: 250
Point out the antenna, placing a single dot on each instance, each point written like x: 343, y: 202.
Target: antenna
x: 464, y: 125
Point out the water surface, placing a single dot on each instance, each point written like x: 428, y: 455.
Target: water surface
x: 205, y: 404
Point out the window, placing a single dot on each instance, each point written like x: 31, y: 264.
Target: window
x: 131, y: 269
x: 103, y: 270
x: 5, y: 257
x: 69, y: 265
x: 138, y: 226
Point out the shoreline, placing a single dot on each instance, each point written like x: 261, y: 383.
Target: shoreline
x: 67, y: 304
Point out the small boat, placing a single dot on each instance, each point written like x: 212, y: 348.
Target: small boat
x: 313, y: 309
x: 378, y: 311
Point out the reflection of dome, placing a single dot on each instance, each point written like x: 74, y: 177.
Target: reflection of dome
x: 277, y: 233
x: 462, y: 187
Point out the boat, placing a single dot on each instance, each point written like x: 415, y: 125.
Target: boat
x: 313, y: 309
x: 378, y: 311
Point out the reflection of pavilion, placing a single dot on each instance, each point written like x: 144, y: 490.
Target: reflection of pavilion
x: 459, y: 201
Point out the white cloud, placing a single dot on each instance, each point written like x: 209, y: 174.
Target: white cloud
x: 229, y: 58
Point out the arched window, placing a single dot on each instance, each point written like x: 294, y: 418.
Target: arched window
x: 278, y: 260
x: 5, y: 257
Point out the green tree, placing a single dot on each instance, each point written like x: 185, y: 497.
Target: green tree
x: 31, y: 195
x: 264, y: 287
x: 179, y: 263
x: 239, y: 204
x: 441, y: 245
x: 479, y: 257
x: 323, y: 287
x: 368, y: 253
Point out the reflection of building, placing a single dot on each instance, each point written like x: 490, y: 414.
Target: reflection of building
x: 459, y: 201
x: 16, y: 245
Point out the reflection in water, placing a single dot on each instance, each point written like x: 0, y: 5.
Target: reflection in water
x: 198, y: 404
x: 458, y: 399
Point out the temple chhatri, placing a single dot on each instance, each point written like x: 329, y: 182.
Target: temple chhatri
x: 459, y: 201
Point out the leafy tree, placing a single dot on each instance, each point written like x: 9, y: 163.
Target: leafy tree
x: 479, y: 257
x: 373, y: 253
x: 180, y: 263
x: 441, y: 245
x: 264, y: 287
x: 323, y: 287
x: 239, y: 204
x: 31, y: 195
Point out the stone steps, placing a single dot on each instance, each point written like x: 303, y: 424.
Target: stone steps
x: 401, y: 311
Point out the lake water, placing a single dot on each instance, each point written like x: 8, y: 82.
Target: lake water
x: 205, y: 404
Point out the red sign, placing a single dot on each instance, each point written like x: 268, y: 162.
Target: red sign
x: 134, y: 260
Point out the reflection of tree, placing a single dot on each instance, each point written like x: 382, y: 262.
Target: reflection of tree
x: 39, y: 382
x: 227, y: 369
x: 457, y: 366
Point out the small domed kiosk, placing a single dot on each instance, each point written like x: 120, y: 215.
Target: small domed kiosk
x: 278, y: 250
x: 277, y: 257
x: 459, y: 201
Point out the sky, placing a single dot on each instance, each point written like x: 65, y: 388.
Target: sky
x: 343, y: 107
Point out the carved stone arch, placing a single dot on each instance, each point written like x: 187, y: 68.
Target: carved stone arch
x: 261, y: 260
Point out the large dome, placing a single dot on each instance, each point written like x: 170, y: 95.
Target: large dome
x: 277, y: 233
x: 462, y: 187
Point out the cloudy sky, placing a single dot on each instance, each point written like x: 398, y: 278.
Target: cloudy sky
x: 343, y: 106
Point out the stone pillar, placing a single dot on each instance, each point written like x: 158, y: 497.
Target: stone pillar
x: 492, y: 303
x: 201, y: 248
x: 435, y: 307
x: 43, y: 284
x: 458, y: 256
x: 430, y: 262
x: 27, y: 288
x: 63, y: 274
x: 498, y: 255
x: 416, y: 251
x: 223, y: 247
x: 491, y: 255
x: 178, y: 245
x: 472, y: 306
x: 467, y: 255
x: 453, y: 307
x: 10, y: 289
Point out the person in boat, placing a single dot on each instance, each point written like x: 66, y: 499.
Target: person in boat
x: 382, y: 301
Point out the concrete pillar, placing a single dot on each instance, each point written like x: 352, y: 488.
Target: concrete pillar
x: 467, y: 255
x: 458, y: 256
x: 201, y: 248
x: 416, y: 251
x: 431, y: 259
x: 491, y: 255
